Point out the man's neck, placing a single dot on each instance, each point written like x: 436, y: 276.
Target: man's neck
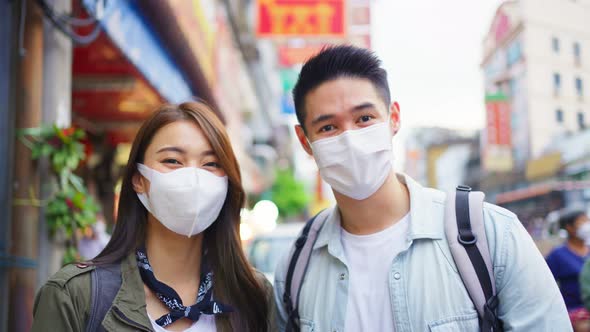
x: 175, y: 259
x: 577, y: 246
x: 381, y: 210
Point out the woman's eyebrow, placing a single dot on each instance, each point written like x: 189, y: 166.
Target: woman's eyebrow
x: 171, y: 149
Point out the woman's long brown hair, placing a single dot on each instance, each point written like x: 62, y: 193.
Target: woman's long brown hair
x: 235, y: 282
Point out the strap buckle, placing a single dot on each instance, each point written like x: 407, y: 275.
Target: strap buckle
x: 464, y: 188
x: 467, y: 239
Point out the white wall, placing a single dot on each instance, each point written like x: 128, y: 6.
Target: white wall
x: 572, y: 23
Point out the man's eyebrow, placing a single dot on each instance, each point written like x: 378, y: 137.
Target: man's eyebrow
x: 322, y: 118
x: 363, y: 107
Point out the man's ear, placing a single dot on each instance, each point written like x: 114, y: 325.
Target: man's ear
x: 303, y: 139
x: 138, y: 183
x: 395, y: 117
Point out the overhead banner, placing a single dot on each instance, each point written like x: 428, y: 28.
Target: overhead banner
x: 301, y: 18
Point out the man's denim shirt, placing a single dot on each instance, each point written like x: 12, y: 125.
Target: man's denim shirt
x: 426, y: 291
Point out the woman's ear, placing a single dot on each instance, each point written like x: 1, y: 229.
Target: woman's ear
x: 138, y: 183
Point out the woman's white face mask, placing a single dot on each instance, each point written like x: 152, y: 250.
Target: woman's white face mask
x: 187, y: 200
x: 357, y: 162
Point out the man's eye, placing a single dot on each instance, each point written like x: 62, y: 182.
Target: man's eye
x: 326, y: 128
x: 171, y: 161
x: 365, y: 118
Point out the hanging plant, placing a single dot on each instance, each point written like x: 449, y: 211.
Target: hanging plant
x: 69, y: 207
x: 61, y: 146
x: 70, y: 210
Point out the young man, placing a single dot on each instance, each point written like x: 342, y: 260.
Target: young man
x: 381, y: 261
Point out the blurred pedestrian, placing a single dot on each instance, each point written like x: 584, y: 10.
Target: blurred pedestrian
x: 567, y: 260
x: 175, y: 259
x: 381, y: 260
x: 94, y: 239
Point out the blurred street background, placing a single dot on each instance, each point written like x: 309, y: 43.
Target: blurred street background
x: 493, y: 94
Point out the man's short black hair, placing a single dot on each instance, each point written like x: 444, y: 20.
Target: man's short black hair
x: 335, y: 62
x: 569, y: 216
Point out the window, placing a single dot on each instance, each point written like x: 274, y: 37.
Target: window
x: 581, y: 121
x: 559, y: 116
x: 579, y: 87
x: 577, y: 53
x: 555, y: 44
x: 556, y: 83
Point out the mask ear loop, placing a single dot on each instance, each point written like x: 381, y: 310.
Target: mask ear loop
x: 196, y: 206
x: 145, y: 171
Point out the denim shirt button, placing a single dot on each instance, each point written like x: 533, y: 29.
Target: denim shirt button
x: 397, y: 276
x: 342, y: 277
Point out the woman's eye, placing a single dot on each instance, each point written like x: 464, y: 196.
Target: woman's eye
x: 171, y: 161
x: 212, y: 164
x: 326, y: 128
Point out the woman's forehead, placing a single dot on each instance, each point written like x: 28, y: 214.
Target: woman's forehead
x: 183, y: 134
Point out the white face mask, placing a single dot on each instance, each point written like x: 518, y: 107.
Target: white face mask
x: 187, y: 200
x: 583, y: 232
x: 356, y: 163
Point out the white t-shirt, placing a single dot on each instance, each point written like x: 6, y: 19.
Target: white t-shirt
x: 369, y: 259
x: 206, y: 323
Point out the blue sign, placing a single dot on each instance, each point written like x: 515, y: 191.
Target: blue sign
x: 287, y: 104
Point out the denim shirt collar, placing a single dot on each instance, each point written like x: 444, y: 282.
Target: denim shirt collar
x: 424, y: 223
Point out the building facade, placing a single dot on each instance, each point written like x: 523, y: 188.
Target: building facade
x: 540, y: 62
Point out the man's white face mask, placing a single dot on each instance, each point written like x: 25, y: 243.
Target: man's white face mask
x: 356, y: 163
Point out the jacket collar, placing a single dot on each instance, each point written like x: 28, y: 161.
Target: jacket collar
x: 425, y: 222
x: 130, y: 299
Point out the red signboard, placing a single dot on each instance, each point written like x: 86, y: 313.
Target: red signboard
x: 290, y: 56
x: 304, y: 18
x: 498, y: 123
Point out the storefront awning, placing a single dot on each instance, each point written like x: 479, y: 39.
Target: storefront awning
x: 136, y: 39
x: 539, y: 190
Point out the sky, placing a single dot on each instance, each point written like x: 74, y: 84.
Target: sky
x: 432, y: 51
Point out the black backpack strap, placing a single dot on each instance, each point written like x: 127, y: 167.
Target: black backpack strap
x: 468, y: 238
x: 105, y: 284
x: 298, y: 262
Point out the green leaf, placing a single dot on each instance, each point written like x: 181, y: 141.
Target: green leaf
x: 76, y: 182
x: 36, y: 152
x: 46, y: 149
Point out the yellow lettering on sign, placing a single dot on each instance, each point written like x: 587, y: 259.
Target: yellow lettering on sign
x: 300, y: 18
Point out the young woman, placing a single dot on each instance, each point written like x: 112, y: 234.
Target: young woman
x: 176, y: 242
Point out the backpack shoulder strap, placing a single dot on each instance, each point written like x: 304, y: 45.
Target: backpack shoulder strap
x: 298, y: 262
x: 105, y: 284
x: 466, y: 235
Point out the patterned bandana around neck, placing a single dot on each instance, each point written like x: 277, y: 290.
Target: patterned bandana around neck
x: 168, y: 296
